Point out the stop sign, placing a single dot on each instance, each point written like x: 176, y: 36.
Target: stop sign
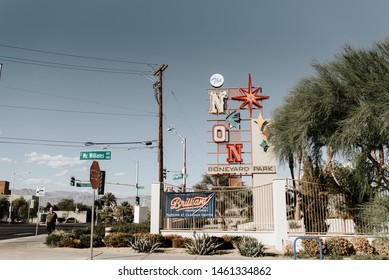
x: 94, y: 177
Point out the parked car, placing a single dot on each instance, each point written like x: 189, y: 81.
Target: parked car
x: 71, y: 220
x: 61, y: 220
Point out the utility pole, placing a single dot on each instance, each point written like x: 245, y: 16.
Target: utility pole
x: 159, y: 73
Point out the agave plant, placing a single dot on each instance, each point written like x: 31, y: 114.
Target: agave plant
x: 202, y: 245
x: 250, y: 247
x: 144, y: 244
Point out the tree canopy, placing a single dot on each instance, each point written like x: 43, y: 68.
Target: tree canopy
x: 341, y: 111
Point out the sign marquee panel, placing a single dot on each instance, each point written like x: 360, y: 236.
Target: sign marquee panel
x: 189, y: 205
x: 234, y: 133
x: 240, y: 169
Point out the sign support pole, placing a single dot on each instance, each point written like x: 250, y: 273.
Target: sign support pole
x: 37, y: 216
x: 92, y: 224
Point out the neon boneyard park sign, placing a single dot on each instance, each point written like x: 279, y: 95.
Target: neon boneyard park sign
x: 240, y: 139
x: 189, y: 205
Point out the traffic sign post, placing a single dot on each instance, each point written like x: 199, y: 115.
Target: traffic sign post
x: 40, y: 191
x: 95, y: 155
x: 94, y: 178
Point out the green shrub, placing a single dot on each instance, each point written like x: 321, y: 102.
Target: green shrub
x: 250, y: 247
x: 288, y: 249
x: 362, y: 246
x: 131, y: 228
x: 339, y: 246
x: 172, y: 240
x: 70, y: 242
x: 202, y: 245
x: 85, y: 241
x: 54, y: 239
x: 179, y: 242
x: 228, y: 241
x: 311, y: 247
x: 117, y: 239
x: 381, y: 245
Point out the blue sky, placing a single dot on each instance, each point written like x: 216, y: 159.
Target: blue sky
x: 274, y: 41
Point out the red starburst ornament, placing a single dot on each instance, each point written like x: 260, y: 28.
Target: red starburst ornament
x: 250, y: 97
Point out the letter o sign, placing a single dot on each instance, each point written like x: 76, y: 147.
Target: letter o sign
x: 219, y: 133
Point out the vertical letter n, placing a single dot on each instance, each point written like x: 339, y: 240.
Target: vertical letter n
x: 234, y: 153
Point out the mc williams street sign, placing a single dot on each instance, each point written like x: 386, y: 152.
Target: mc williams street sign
x: 95, y: 155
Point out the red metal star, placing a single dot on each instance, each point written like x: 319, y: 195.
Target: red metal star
x: 250, y: 97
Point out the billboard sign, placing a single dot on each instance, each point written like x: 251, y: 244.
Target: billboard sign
x: 189, y: 205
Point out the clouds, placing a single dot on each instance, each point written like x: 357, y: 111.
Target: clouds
x: 6, y: 160
x: 53, y: 161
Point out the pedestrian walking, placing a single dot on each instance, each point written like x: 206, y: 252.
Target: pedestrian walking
x: 51, y: 221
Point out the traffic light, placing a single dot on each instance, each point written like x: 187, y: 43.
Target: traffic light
x: 164, y: 173
x: 137, y: 200
x: 102, y: 182
x: 72, y: 181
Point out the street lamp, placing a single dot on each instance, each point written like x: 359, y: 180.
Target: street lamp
x: 183, y: 141
x: 12, y: 193
x: 146, y: 143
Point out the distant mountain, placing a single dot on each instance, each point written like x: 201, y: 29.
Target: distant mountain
x: 78, y: 197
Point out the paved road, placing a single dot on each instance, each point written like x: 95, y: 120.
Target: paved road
x: 9, y: 231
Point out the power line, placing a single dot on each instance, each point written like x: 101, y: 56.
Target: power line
x: 57, y: 143
x: 39, y: 142
x: 79, y: 56
x: 78, y: 99
x: 78, y: 112
x: 74, y: 66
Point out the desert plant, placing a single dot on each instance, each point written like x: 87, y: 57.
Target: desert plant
x: 339, y: 246
x: 144, y: 244
x: 202, y: 245
x: 381, y: 245
x: 362, y: 246
x: 250, y: 247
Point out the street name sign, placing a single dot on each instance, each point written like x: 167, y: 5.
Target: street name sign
x: 177, y: 176
x: 84, y: 185
x: 95, y: 155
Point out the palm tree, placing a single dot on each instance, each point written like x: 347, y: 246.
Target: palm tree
x: 124, y: 212
x: 109, y: 200
x: 342, y: 111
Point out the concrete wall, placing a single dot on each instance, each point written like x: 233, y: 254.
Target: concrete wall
x: 276, y: 238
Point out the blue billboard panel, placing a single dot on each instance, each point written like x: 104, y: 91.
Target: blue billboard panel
x: 189, y: 205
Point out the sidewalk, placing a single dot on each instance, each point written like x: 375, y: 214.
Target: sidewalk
x: 34, y: 248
